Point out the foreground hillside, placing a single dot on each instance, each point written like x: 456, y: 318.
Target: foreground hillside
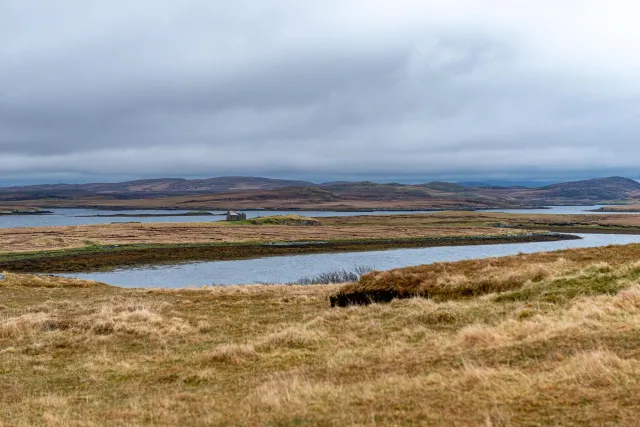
x: 556, y: 342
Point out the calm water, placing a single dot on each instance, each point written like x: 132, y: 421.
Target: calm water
x: 572, y: 210
x: 78, y: 216
x: 290, y: 268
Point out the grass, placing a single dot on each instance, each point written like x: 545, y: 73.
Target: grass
x: 334, y: 276
x: 513, y: 275
x: 67, y: 237
x: 103, y: 258
x: 290, y: 219
x: 540, y: 339
x: 626, y: 207
x: 107, y: 246
x: 271, y: 229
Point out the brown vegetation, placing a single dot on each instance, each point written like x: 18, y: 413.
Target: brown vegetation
x: 455, y: 280
x: 441, y: 224
x: 634, y: 207
x: 109, y: 257
x: 290, y: 219
x: 551, y: 339
x: 95, y: 247
x: 48, y: 238
x: 260, y: 193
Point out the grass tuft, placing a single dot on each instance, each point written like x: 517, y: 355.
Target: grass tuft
x: 335, y: 276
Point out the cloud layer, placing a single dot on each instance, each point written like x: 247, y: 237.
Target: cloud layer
x: 337, y: 88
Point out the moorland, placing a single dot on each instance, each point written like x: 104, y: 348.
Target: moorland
x: 105, y: 246
x: 537, y: 339
x: 262, y: 193
x: 540, y: 339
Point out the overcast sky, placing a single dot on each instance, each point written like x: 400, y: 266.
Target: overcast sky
x: 318, y: 89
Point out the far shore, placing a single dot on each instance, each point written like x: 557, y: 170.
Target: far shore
x: 143, y: 215
x: 618, y: 209
x: 24, y: 212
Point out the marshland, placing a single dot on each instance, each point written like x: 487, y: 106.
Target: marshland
x: 104, y: 246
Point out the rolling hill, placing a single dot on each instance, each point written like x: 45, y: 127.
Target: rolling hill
x: 264, y: 193
x: 614, y: 188
x: 147, y: 188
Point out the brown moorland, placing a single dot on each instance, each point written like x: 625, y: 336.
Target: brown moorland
x: 632, y: 207
x: 464, y: 279
x: 259, y: 193
x: 99, y: 247
x: 554, y: 342
x: 600, y: 223
x: 439, y: 224
x: 64, y: 237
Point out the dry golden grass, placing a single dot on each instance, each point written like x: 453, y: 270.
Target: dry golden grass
x: 49, y: 238
x: 537, y: 218
x: 455, y: 280
x: 555, y: 342
x: 434, y: 225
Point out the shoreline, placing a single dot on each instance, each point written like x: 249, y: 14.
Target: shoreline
x: 21, y: 213
x: 291, y: 209
x: 150, y: 215
x: 586, y: 230
x: 614, y: 211
x: 105, y: 258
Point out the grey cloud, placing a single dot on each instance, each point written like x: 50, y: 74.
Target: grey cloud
x: 203, y: 88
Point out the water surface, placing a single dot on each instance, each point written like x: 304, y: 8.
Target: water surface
x: 82, y: 216
x: 558, y: 210
x: 283, y: 269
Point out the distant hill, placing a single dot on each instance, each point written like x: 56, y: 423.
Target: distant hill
x: 448, y: 187
x: 258, y: 193
x: 145, y: 188
x: 506, y: 183
x: 473, y: 184
x: 602, y: 189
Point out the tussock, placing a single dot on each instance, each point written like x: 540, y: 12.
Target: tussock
x: 598, y: 368
x: 231, y: 353
x: 132, y: 318
x: 478, y: 335
x: 27, y: 325
x: 45, y: 281
x: 290, y: 337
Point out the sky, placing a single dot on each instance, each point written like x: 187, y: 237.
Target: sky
x: 402, y: 90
